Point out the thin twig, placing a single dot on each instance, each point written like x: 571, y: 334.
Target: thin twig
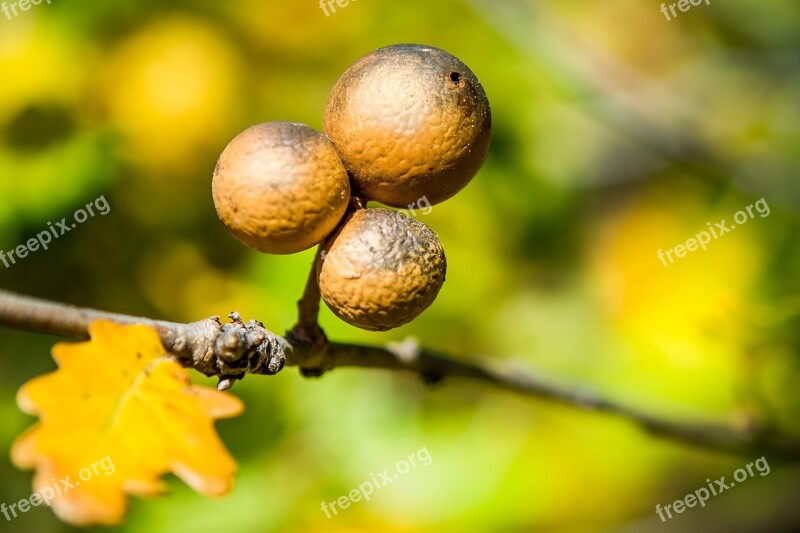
x: 307, y: 328
x: 234, y: 349
x: 434, y: 367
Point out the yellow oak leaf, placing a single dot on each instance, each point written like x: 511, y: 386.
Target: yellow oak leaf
x: 117, y: 415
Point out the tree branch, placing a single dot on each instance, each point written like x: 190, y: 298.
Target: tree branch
x: 227, y: 351
x: 234, y: 349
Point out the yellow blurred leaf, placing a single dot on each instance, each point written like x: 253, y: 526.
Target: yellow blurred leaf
x: 168, y: 89
x: 117, y: 415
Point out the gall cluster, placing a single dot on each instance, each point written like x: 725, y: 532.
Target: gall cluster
x: 402, y: 124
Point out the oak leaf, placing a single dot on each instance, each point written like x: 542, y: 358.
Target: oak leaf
x: 117, y: 415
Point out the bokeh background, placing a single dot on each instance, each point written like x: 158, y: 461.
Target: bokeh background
x: 616, y: 133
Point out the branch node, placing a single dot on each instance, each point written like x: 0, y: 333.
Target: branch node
x: 231, y: 343
x: 408, y: 351
x: 310, y: 345
x: 228, y: 351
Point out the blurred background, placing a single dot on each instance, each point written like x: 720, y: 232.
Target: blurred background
x: 617, y: 133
